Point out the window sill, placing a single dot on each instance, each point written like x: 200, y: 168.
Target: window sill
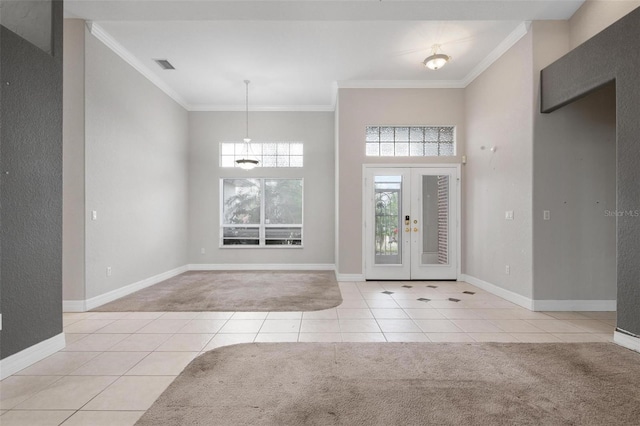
x: 277, y: 247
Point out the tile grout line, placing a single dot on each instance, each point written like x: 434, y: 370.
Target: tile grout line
x: 582, y: 332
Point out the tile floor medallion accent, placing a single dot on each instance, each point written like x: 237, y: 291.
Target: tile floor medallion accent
x: 124, y: 360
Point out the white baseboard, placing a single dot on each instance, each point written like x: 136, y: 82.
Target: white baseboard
x: 541, y: 305
x: 574, y: 305
x: 94, y: 302
x: 349, y: 277
x: 74, y: 306
x: 629, y: 342
x: 512, y: 297
x: 26, y: 357
x: 261, y: 267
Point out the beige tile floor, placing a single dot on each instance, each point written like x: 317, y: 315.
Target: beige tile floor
x: 116, y: 364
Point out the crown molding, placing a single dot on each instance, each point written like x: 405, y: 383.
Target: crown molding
x: 98, y: 32
x: 506, y: 44
x: 521, y: 30
x: 334, y: 95
x: 400, y: 84
x: 262, y: 108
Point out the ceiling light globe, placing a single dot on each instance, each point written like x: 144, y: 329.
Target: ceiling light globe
x: 435, y: 62
x: 246, y: 163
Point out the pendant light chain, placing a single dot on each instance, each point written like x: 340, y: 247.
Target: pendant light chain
x: 246, y: 162
x: 246, y: 82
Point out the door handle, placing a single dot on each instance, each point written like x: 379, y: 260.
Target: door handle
x: 407, y: 229
x: 415, y: 229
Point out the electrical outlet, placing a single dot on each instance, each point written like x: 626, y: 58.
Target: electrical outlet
x: 202, y: 250
x: 508, y: 215
x: 507, y: 269
x: 546, y: 215
x: 108, y: 271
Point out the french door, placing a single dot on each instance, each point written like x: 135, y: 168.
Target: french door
x: 410, y: 224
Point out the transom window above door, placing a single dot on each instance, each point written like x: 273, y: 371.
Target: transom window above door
x: 410, y: 141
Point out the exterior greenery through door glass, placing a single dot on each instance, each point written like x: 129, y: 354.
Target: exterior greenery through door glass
x: 261, y: 212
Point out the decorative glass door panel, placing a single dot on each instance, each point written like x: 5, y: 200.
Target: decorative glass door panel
x: 413, y: 223
x: 386, y: 242
x: 387, y: 204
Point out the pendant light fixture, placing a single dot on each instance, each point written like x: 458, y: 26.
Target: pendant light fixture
x: 436, y: 60
x: 247, y: 163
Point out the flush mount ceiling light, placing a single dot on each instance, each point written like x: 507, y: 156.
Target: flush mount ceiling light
x: 245, y: 162
x: 436, y: 60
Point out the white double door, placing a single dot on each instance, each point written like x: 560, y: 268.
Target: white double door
x: 411, y: 223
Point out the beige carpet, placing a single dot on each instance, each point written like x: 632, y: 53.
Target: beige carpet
x: 405, y: 384
x: 235, y: 291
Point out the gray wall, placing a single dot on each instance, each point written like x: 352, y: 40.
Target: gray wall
x: 596, y: 15
x: 135, y: 174
x: 612, y: 54
x: 30, y: 19
x: 499, y: 112
x: 208, y: 129
x: 574, y: 178
x: 359, y: 108
x: 574, y: 170
x: 30, y: 190
x: 73, y: 198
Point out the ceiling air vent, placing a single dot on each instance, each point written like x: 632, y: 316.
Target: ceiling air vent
x: 164, y: 64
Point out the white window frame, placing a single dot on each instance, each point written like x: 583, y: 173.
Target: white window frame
x: 262, y: 226
x: 423, y: 126
x: 240, y: 151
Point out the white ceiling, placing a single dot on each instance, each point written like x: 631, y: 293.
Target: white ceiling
x: 296, y: 52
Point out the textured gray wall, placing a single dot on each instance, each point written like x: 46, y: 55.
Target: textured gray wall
x: 574, y: 253
x: 574, y: 177
x: 31, y: 192
x: 611, y: 55
x: 30, y: 19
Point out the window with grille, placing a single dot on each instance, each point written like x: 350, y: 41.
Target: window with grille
x: 269, y: 154
x: 410, y: 141
x: 261, y: 212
